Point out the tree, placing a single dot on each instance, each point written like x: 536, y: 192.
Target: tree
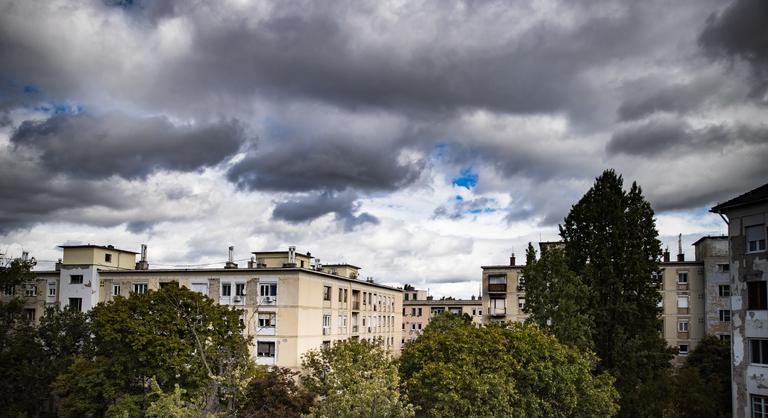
x: 611, y: 242
x: 710, y: 364
x: 556, y: 299
x: 174, y: 335
x: 275, y: 393
x: 174, y: 404
x: 456, y: 369
x: 354, y: 378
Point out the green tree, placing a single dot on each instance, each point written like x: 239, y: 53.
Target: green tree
x: 611, y: 242
x: 173, y: 335
x: 275, y: 393
x: 556, y: 299
x: 173, y: 404
x: 459, y: 370
x: 354, y: 378
x: 708, y: 369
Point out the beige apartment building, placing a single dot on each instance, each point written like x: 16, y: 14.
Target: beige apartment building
x: 695, y: 294
x: 290, y: 302
x: 419, y: 309
x: 747, y: 218
x: 503, y: 297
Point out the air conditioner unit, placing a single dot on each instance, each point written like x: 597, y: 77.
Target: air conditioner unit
x: 268, y: 299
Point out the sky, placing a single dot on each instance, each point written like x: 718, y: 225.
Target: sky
x: 418, y: 140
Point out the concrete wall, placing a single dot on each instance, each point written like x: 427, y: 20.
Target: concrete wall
x: 513, y: 311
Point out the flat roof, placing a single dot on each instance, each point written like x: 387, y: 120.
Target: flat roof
x: 501, y: 266
x: 278, y: 252
x: 754, y: 196
x: 247, y: 270
x: 104, y: 247
x: 709, y: 237
x: 342, y: 265
x: 672, y: 262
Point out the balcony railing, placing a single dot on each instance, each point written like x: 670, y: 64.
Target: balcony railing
x: 355, y: 328
x: 355, y: 306
x: 497, y: 288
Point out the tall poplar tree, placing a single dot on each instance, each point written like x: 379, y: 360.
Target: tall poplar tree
x: 611, y: 242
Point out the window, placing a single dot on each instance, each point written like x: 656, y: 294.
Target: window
x: 521, y: 302
x: 682, y: 301
x: 346, y: 294
x: 326, y: 344
x: 326, y: 321
x: 725, y: 315
x: 226, y: 289
x: 9, y: 290
x: 267, y: 319
x: 30, y: 290
x: 406, y: 296
x: 29, y: 314
x: 413, y: 311
x: 682, y: 349
x: 497, y: 279
x: 755, y: 238
x: 115, y: 290
x: 108, y: 258
x: 239, y: 289
x: 725, y: 337
x: 723, y: 267
x: 682, y: 277
x: 682, y: 326
x: 756, y: 296
x: 419, y: 312
x: 51, y: 290
x: 140, y: 288
x: 724, y: 290
x: 759, y: 406
x: 269, y: 289
x: 76, y: 304
x: 76, y: 279
x: 419, y: 326
x: 758, y: 351
x: 265, y: 349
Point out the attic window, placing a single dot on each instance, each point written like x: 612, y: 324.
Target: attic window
x: 107, y: 258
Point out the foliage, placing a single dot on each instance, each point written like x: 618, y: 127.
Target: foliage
x: 707, y: 367
x: 556, y: 298
x: 173, y: 404
x: 275, y: 393
x: 457, y: 369
x: 611, y: 243
x: 354, y: 378
x: 174, y: 335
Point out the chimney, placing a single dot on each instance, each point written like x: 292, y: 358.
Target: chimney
x: 429, y: 298
x: 680, y: 255
x: 473, y: 297
x: 252, y: 263
x: 143, y: 264
x: 231, y: 263
x: 57, y: 266
x: 512, y: 259
x: 666, y: 255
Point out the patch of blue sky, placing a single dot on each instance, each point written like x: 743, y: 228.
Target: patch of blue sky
x: 59, y: 108
x: 466, y: 178
x: 458, y: 198
x: 477, y: 211
x: 438, y: 151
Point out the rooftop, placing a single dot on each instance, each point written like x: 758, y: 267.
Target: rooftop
x: 751, y: 197
x: 103, y: 247
x: 709, y: 237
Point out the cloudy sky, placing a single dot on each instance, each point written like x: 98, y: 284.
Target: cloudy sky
x: 419, y: 140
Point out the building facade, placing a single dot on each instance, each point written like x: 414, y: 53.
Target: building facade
x: 418, y: 312
x: 291, y: 303
x: 503, y: 297
x: 747, y: 217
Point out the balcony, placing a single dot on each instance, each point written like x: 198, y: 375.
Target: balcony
x: 497, y: 311
x: 497, y: 288
x: 355, y: 306
x: 326, y: 331
x: 355, y: 329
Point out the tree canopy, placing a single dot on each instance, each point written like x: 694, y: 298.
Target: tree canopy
x: 457, y: 369
x: 354, y: 378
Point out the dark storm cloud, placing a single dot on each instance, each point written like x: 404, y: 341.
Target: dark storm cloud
x: 310, y: 207
x: 741, y: 30
x: 665, y: 98
x: 306, y: 164
x: 660, y: 135
x: 88, y: 146
x: 29, y: 194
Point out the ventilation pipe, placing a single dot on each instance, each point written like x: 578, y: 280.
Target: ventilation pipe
x: 292, y: 255
x: 680, y: 255
x: 231, y: 263
x: 143, y: 264
x: 512, y: 259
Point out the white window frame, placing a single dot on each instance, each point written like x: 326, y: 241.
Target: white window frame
x: 269, y: 353
x: 267, y: 319
x: 683, y: 301
x: 228, y: 287
x: 682, y: 277
x: 683, y: 351
x: 72, y: 279
x: 760, y: 242
x: 116, y: 289
x: 682, y: 325
x: 725, y: 315
x: 761, y: 403
x: 140, y: 288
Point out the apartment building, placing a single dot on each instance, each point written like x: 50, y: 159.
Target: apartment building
x: 291, y: 303
x: 418, y: 312
x: 695, y: 294
x: 747, y: 217
x: 503, y: 297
